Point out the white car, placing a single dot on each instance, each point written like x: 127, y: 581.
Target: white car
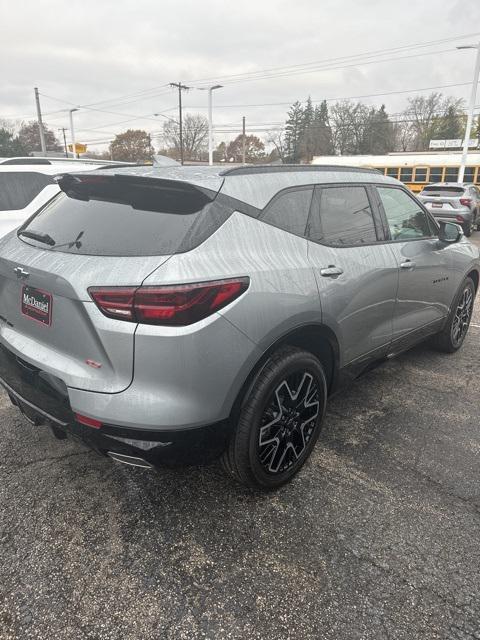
x: 26, y: 184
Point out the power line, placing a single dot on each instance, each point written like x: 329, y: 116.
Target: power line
x: 338, y: 99
x: 335, y: 68
x: 342, y: 58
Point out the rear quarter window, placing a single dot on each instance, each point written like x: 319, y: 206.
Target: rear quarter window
x: 18, y: 189
x: 289, y: 210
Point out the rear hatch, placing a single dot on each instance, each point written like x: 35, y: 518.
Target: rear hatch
x: 100, y: 231
x: 446, y: 201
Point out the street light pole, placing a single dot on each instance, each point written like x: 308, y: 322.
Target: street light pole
x: 471, y: 108
x: 72, y: 133
x: 210, y: 122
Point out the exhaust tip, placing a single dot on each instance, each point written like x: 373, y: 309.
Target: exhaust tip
x: 133, y: 461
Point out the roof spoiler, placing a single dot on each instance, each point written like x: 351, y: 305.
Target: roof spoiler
x: 139, y: 192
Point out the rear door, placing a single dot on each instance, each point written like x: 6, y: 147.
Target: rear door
x: 46, y: 313
x: 357, y: 275
x: 422, y: 261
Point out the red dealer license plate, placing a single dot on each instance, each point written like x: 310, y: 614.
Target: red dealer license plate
x: 37, y: 305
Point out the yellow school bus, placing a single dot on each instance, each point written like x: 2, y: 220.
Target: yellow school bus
x: 415, y: 170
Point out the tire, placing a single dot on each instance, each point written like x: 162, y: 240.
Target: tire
x: 279, y: 420
x: 451, y: 338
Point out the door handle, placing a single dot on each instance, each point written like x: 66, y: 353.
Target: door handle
x: 331, y: 271
x: 408, y: 264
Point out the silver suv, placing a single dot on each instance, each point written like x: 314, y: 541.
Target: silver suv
x: 453, y: 202
x: 171, y: 315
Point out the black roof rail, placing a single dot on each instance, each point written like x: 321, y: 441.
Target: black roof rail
x: 26, y: 161
x: 291, y: 168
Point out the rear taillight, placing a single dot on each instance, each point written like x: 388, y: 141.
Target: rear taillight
x: 114, y: 302
x: 459, y: 218
x: 466, y: 202
x: 172, y: 305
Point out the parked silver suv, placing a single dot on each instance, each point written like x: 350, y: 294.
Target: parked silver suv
x: 453, y: 202
x: 167, y: 315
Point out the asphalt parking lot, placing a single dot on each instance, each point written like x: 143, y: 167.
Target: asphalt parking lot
x: 379, y: 536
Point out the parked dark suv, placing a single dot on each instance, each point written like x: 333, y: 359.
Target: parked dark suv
x: 165, y: 314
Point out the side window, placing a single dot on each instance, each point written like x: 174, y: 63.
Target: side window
x: 406, y: 219
x: 406, y: 174
x: 343, y: 217
x: 289, y: 211
x: 17, y: 189
x: 436, y: 174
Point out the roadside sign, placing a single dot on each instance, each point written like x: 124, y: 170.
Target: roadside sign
x: 79, y: 148
x: 454, y: 143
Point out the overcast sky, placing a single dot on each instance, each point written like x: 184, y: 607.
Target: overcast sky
x: 95, y: 52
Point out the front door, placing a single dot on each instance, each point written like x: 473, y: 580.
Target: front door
x: 422, y: 295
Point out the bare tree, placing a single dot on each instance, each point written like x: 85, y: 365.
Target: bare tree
x: 429, y: 116
x: 351, y: 124
x: 404, y: 136
x: 276, y: 137
x: 195, y: 136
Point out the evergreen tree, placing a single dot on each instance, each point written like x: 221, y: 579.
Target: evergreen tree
x: 307, y: 137
x: 323, y: 131
x: 379, y: 133
x: 294, y: 127
x: 451, y: 124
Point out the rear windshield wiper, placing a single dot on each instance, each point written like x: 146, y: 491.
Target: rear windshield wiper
x: 41, y: 237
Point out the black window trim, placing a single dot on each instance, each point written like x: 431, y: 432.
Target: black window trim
x: 377, y: 219
x: 302, y: 187
x: 389, y: 239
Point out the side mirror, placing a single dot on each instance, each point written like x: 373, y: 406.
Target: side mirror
x: 450, y: 232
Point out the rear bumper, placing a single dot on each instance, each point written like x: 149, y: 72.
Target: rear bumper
x: 44, y: 400
x: 452, y: 214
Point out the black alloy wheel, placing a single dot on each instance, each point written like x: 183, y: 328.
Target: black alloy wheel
x: 288, y: 421
x: 462, y: 317
x: 279, y: 420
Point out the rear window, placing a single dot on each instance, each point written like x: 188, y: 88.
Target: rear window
x: 18, y: 189
x: 172, y: 224
x: 447, y: 192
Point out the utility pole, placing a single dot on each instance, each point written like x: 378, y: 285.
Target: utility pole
x: 62, y: 129
x: 181, y: 87
x: 40, y: 123
x: 471, y: 109
x: 243, y: 140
